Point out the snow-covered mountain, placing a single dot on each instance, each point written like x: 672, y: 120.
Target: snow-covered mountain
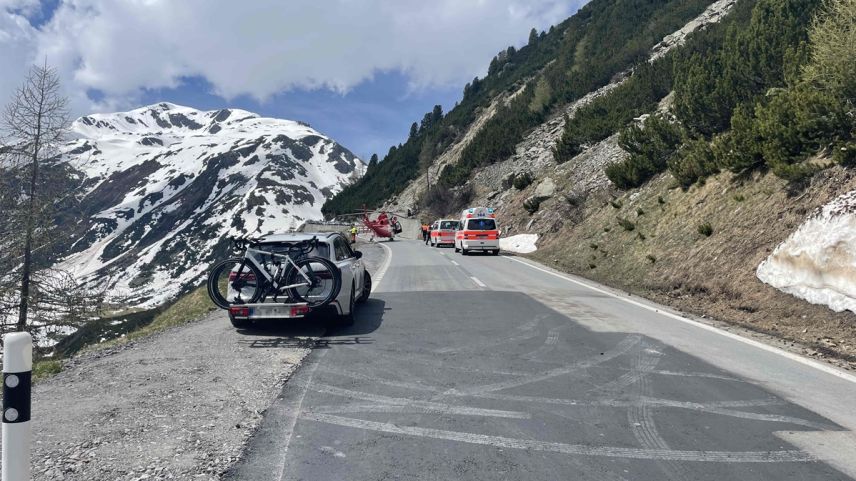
x: 161, y: 187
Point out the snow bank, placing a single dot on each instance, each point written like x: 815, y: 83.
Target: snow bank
x: 818, y: 261
x: 520, y: 243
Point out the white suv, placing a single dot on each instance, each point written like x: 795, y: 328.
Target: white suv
x: 356, y: 281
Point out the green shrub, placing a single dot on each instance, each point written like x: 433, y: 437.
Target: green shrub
x: 796, y: 124
x: 661, y: 200
x: 739, y: 198
x: 616, y: 203
x: 651, y: 258
x: 705, y: 229
x: 694, y: 162
x: 650, y: 146
x: 845, y: 154
x: 639, y: 211
x: 626, y: 224
x: 47, y: 367
x: 640, y: 236
x: 593, y: 246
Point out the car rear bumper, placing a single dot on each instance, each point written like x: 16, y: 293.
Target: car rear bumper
x: 278, y: 310
x: 480, y: 245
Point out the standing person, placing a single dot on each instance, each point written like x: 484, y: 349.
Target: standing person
x: 353, y: 234
x: 426, y: 233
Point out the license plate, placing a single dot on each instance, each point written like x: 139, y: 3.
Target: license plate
x: 272, y: 311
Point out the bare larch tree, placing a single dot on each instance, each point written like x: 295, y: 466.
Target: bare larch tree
x: 33, y: 124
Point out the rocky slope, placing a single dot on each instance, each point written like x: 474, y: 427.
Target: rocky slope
x: 649, y: 240
x: 160, y: 188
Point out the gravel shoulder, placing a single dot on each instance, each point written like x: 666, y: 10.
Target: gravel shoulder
x: 180, y: 404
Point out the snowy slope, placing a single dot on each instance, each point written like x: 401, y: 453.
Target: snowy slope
x: 160, y: 187
x: 818, y: 261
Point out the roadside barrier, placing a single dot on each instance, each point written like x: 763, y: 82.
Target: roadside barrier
x: 17, y: 379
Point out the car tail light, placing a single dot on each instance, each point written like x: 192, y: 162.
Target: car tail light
x: 239, y: 311
x: 245, y: 276
x: 299, y: 310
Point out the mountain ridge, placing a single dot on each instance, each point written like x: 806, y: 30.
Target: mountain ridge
x: 162, y: 186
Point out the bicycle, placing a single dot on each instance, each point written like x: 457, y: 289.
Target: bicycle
x: 258, y: 274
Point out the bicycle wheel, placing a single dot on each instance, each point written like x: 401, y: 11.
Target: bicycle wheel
x: 325, y: 281
x: 235, y: 281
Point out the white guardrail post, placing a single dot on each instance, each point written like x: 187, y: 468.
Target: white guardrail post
x: 17, y: 432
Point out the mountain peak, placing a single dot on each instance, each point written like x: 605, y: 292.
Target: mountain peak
x: 166, y: 184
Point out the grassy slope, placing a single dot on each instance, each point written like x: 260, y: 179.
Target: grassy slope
x: 712, y: 276
x: 190, y: 307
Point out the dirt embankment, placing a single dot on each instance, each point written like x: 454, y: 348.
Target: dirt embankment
x: 655, y: 242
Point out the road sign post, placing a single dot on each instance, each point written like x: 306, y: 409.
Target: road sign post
x: 17, y: 432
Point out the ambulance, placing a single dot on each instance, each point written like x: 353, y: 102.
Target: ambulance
x: 477, y: 231
x: 443, y: 232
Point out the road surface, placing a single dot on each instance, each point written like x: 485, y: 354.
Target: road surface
x: 488, y: 368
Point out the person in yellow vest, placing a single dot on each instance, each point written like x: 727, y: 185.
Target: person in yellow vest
x: 353, y: 234
x: 426, y: 233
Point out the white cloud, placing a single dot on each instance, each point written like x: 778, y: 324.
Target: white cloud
x: 263, y: 47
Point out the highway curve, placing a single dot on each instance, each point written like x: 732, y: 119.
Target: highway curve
x: 488, y: 368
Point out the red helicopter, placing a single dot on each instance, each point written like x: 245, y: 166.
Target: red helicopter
x: 385, y: 224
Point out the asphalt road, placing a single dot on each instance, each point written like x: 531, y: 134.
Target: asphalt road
x: 493, y: 368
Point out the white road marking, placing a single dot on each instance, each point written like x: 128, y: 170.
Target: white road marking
x: 478, y: 282
x: 570, y: 449
x: 428, y: 405
x: 383, y: 267
x: 455, y: 263
x: 794, y: 357
x: 417, y: 409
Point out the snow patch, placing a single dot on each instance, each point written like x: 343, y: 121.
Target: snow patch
x: 818, y: 261
x: 520, y: 243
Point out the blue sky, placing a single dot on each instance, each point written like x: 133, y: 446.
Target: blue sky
x: 360, y: 72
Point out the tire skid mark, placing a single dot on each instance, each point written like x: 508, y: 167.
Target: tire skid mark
x: 528, y: 331
x: 641, y: 416
x: 549, y: 345
x: 418, y: 408
x: 621, y: 348
x: 625, y: 403
x: 570, y: 449
x: 429, y: 405
x: 433, y: 362
x: 377, y: 380
x: 643, y: 365
x: 698, y: 374
x: 775, y: 418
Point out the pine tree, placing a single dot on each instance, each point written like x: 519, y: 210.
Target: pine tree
x: 533, y: 36
x: 414, y: 129
x: 437, y: 114
x: 373, y: 161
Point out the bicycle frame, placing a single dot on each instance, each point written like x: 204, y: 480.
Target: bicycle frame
x: 273, y: 277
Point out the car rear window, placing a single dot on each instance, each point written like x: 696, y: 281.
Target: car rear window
x: 481, y: 224
x: 321, y: 250
x: 449, y: 225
